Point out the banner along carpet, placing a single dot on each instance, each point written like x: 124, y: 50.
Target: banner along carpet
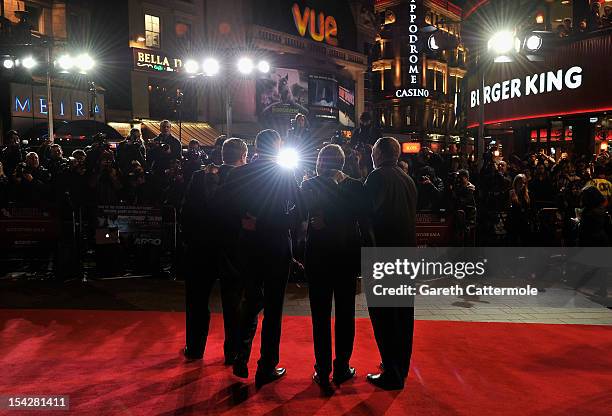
x: 129, y: 363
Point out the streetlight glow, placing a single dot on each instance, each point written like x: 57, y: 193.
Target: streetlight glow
x: 502, y: 42
x: 8, y: 63
x: 28, y: 62
x: 191, y: 66
x: 211, y: 67
x: 245, y: 65
x: 263, y: 67
x: 84, y: 62
x: 65, y: 62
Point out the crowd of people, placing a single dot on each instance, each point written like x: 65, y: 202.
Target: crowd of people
x: 241, y: 217
x: 598, y: 17
x: 502, y: 202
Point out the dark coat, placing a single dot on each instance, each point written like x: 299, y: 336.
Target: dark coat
x: 265, y: 191
x: 341, y: 214
x: 393, y: 198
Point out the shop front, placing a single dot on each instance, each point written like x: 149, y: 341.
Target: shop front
x: 561, y: 104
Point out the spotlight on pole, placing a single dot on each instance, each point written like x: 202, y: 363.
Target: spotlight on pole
x: 84, y: 63
x: 65, y: 62
x: 8, y: 63
x: 263, y: 67
x: 533, y: 43
x: 502, y: 42
x: 28, y: 62
x: 191, y: 66
x: 245, y: 65
x: 211, y: 67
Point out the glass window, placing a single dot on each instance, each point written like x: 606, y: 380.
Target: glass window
x: 152, y: 31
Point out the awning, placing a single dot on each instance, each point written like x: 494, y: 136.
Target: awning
x: 204, y: 133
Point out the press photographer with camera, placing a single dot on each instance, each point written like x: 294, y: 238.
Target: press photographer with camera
x: 164, y: 148
x: 12, y: 153
x: 130, y: 149
x: 30, y: 181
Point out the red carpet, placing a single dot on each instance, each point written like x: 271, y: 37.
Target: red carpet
x: 128, y: 363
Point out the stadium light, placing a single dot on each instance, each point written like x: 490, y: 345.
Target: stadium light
x: 211, y: 67
x: 245, y: 65
x: 28, y: 62
x: 191, y: 66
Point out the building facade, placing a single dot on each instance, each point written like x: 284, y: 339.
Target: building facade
x: 436, y: 117
x: 31, y: 29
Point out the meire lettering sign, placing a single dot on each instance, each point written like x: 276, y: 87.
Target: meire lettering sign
x: 31, y: 102
x: 414, y: 87
x: 543, y: 83
x: 320, y: 27
x: 152, y: 61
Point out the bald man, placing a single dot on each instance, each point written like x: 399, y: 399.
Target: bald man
x: 393, y: 197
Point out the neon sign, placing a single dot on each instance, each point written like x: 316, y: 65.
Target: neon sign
x: 319, y: 26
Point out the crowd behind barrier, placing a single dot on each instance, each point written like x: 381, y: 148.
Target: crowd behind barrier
x: 119, y: 206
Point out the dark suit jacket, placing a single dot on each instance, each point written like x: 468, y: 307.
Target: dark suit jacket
x: 393, y: 198
x: 267, y: 192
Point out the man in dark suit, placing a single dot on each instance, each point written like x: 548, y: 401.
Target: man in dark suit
x: 164, y: 148
x: 209, y: 237
x: 262, y: 195
x: 393, y: 198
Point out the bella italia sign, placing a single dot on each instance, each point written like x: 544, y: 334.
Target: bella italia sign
x: 153, y: 61
x: 414, y: 87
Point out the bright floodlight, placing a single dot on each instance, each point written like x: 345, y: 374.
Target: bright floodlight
x: 263, y: 67
x: 288, y: 158
x: 211, y: 67
x: 191, y: 66
x: 502, y: 42
x: 28, y: 62
x: 8, y: 63
x: 65, y: 62
x: 245, y: 65
x: 533, y: 43
x: 84, y: 62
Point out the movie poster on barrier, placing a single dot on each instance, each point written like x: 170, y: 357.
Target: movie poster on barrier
x: 282, y: 94
x: 323, y: 97
x: 133, y: 226
x: 346, y: 103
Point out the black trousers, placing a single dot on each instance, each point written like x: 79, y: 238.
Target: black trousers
x: 393, y: 331
x: 199, y: 283
x: 264, y: 289
x: 322, y: 288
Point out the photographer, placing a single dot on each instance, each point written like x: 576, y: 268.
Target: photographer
x: 104, y: 180
x: 58, y: 167
x: 94, y: 152
x: 367, y: 133
x: 194, y: 159
x: 12, y: 154
x: 130, y: 149
x: 430, y: 189
x: 164, y: 148
x: 30, y: 181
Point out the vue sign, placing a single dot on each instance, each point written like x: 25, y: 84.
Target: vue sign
x: 319, y: 27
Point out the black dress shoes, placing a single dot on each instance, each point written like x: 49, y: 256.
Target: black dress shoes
x: 380, y: 381
x: 192, y: 354
x: 320, y: 379
x: 265, y: 377
x: 240, y: 369
x: 340, y: 377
